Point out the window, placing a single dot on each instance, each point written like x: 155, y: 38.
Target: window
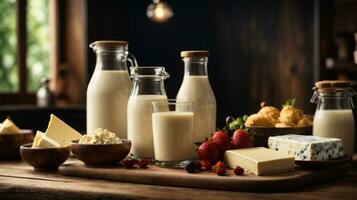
x: 24, y: 46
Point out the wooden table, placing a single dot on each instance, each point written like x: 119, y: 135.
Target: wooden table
x: 19, y: 181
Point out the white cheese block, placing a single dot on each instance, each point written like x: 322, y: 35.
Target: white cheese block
x: 306, y: 147
x: 8, y: 127
x: 60, y: 132
x: 42, y: 141
x: 259, y: 160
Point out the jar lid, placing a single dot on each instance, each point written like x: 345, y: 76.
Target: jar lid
x: 108, y: 44
x: 332, y: 85
x: 195, y: 53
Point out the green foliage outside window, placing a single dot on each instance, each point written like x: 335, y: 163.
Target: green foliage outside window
x: 38, y: 41
x: 8, y: 66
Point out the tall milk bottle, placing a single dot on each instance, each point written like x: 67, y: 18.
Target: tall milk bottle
x: 109, y: 88
x: 148, y: 87
x: 196, y: 88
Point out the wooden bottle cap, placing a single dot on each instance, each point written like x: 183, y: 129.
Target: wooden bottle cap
x: 332, y: 85
x: 110, y: 44
x: 194, y: 53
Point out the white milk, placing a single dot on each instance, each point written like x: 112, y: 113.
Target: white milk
x: 336, y: 124
x: 172, y: 135
x: 198, y: 90
x: 107, y: 98
x: 140, y: 124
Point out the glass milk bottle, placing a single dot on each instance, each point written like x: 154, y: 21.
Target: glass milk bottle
x: 334, y: 117
x: 196, y: 88
x: 148, y: 87
x: 109, y: 88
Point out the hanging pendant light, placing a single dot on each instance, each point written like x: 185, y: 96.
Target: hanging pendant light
x: 159, y: 11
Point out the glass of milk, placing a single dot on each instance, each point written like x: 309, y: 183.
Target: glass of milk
x: 148, y: 87
x: 109, y: 88
x: 334, y: 117
x: 196, y: 87
x: 172, y: 124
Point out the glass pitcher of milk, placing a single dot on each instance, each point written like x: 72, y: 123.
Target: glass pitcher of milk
x: 196, y: 88
x: 148, y: 87
x: 109, y: 88
x: 334, y: 117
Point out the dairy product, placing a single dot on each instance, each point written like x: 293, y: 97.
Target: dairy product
x: 107, y: 98
x: 198, y: 90
x: 8, y: 126
x: 306, y: 147
x: 42, y: 141
x: 336, y: 124
x: 57, y: 131
x: 259, y: 160
x: 100, y: 136
x: 172, y: 132
x: 140, y: 124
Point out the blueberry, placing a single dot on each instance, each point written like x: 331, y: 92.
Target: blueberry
x: 191, y: 167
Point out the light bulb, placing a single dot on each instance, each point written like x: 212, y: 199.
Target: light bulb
x: 159, y: 11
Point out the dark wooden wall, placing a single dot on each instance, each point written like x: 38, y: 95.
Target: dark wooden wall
x: 260, y: 50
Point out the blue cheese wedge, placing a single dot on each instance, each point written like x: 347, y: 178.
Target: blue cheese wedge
x: 306, y: 147
x: 259, y: 160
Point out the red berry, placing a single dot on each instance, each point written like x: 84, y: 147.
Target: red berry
x: 238, y: 171
x: 221, y: 172
x: 221, y: 139
x: 208, y: 151
x: 241, y: 139
x: 206, y: 164
x: 143, y: 163
x: 130, y: 163
x: 219, y: 168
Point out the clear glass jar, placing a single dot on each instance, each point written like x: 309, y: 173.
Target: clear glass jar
x: 109, y: 88
x: 148, y: 87
x: 196, y: 88
x: 334, y: 116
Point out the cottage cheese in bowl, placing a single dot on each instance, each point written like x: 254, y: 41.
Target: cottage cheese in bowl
x: 100, y: 136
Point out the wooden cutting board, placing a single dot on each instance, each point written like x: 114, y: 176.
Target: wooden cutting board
x: 207, y: 180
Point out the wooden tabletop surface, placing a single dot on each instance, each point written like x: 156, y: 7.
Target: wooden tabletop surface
x: 20, y: 181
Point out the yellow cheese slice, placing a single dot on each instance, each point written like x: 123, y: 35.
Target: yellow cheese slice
x: 9, y: 127
x: 42, y: 141
x: 60, y: 132
x: 259, y: 160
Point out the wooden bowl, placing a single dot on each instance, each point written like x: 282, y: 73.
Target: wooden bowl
x: 262, y: 134
x: 44, y: 158
x: 101, y: 154
x: 10, y: 144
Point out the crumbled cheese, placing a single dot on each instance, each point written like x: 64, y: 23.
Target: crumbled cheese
x: 306, y: 147
x: 100, y: 136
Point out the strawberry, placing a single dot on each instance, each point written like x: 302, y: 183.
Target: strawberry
x: 238, y: 171
x: 241, y: 139
x: 222, y: 141
x: 208, y: 151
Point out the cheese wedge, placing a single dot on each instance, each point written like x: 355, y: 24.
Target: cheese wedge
x: 259, y: 160
x: 42, y: 141
x: 9, y: 127
x: 60, y: 132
